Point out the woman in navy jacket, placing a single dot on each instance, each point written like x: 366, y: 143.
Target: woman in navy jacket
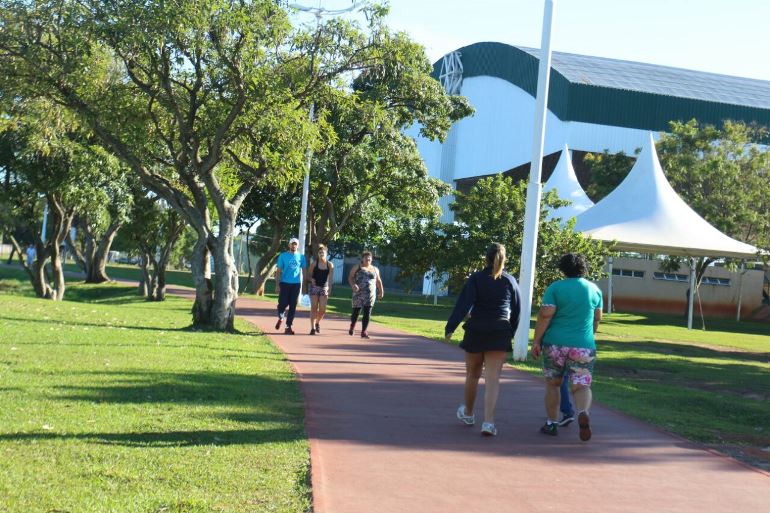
x: 492, y: 298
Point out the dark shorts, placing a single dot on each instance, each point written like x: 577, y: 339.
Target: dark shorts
x: 487, y: 336
x: 318, y: 291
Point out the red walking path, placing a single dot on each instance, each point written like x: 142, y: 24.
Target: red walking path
x: 380, y: 416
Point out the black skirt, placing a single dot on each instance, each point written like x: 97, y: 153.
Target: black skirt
x: 483, y: 336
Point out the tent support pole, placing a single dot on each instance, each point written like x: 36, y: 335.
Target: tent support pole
x: 741, y: 272
x: 691, y: 294
x: 609, y: 285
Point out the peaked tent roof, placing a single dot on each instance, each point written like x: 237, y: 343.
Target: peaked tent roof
x: 645, y: 214
x: 565, y: 181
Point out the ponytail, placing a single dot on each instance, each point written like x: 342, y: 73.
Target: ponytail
x: 496, y: 259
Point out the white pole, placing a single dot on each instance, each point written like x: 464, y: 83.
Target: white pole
x: 318, y: 12
x: 609, y: 285
x: 691, y: 294
x: 534, y: 189
x: 305, y: 191
x: 741, y: 272
x: 45, y: 223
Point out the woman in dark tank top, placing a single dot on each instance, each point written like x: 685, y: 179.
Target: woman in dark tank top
x: 320, y: 273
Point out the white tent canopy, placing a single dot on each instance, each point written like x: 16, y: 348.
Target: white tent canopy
x: 644, y: 214
x: 564, y: 180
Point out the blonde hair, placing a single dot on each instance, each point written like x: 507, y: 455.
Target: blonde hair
x: 496, y: 259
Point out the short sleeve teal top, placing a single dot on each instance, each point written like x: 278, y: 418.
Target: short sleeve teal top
x: 572, y: 325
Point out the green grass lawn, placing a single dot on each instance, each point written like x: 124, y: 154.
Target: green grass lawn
x: 709, y: 386
x: 109, y: 403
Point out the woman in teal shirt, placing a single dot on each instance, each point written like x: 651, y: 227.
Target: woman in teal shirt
x: 569, y: 316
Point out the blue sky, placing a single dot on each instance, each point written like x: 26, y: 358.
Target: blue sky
x: 730, y: 37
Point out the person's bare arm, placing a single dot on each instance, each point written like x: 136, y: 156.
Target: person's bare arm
x: 330, y: 278
x: 351, y: 280
x: 310, y: 270
x: 380, y: 287
x: 544, y: 317
x: 597, y: 318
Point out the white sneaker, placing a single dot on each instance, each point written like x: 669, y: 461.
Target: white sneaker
x: 488, y: 429
x: 468, y: 420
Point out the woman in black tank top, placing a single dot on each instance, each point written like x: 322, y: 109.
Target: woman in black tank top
x: 321, y: 274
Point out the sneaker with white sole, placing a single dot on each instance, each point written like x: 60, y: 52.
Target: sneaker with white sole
x: 468, y: 420
x: 488, y: 429
x: 566, y: 420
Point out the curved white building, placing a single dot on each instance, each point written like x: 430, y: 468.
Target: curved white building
x: 594, y: 104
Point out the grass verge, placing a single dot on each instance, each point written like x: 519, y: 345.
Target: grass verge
x: 109, y: 403
x: 711, y: 386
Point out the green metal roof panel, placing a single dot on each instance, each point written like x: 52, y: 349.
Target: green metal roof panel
x: 622, y: 93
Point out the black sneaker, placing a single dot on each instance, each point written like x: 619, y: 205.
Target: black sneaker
x: 318, y: 328
x: 549, y: 429
x: 288, y: 331
x: 566, y: 420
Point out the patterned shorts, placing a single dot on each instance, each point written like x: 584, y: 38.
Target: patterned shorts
x: 576, y: 363
x: 318, y: 291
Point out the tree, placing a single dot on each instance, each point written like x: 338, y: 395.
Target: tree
x: 154, y: 229
x: 47, y: 167
x: 100, y: 218
x: 493, y: 211
x: 607, y: 171
x: 204, y: 102
x: 276, y: 210
x: 415, y: 247
x: 724, y: 175
x: 367, y: 173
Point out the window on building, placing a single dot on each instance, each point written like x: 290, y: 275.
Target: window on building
x: 709, y: 280
x: 627, y: 273
x: 671, y: 277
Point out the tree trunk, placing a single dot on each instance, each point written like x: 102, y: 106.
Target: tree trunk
x: 57, y: 293
x: 77, y: 253
x: 160, y: 283
x: 98, y: 271
x: 201, y: 273
x: 261, y: 277
x: 266, y: 262
x: 226, y: 284
x: 39, y: 278
x: 144, y: 282
x: 61, y: 221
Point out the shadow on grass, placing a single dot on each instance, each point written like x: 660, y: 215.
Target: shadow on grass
x: 140, y: 387
x: 674, y: 321
x: 185, y: 329
x: 686, y: 367
x: 681, y: 350
x: 171, y: 438
x: 256, y: 400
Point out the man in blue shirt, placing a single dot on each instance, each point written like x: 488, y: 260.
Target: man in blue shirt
x: 288, y: 283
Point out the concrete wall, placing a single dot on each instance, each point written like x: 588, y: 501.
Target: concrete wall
x: 498, y: 137
x: 647, y: 294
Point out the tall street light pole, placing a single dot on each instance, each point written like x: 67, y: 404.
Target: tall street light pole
x: 319, y: 12
x: 534, y: 189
